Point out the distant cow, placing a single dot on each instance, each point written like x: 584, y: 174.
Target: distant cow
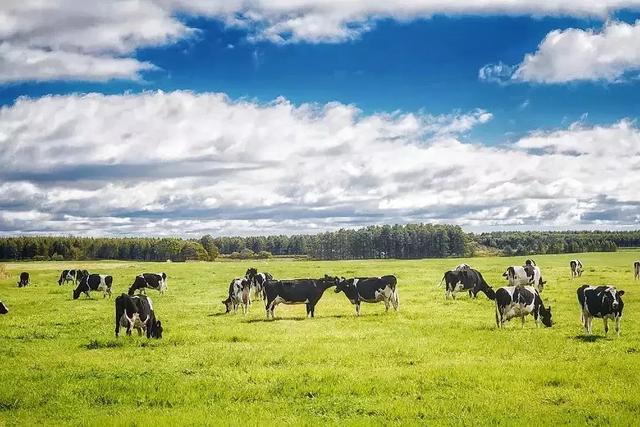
x: 604, y: 302
x: 24, y: 279
x: 462, y: 266
x: 136, y: 312
x: 239, y: 290
x: 636, y: 269
x: 517, y: 301
x: 467, y: 279
x: 296, y: 291
x: 94, y: 282
x: 257, y: 281
x: 3, y: 308
x: 371, y: 290
x: 525, y: 276
x: 157, y: 281
x: 576, y: 268
x: 72, y: 276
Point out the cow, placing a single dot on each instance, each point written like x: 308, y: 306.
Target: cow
x: 371, y: 290
x: 71, y: 276
x: 462, y: 266
x: 3, y: 308
x: 604, y: 302
x: 636, y: 269
x: 157, y: 281
x: 137, y: 312
x: 94, y: 282
x: 469, y: 280
x: 24, y: 279
x: 530, y: 262
x: 257, y: 281
x: 296, y: 291
x: 520, y: 301
x: 576, y: 268
x: 524, y: 276
x: 239, y: 290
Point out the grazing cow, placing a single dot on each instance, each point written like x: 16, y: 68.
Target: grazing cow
x: 257, y: 281
x: 296, y: 291
x: 71, y: 276
x: 525, y: 276
x: 370, y: 289
x: 137, y: 312
x: 24, y: 279
x: 469, y: 280
x: 157, y: 281
x: 576, y: 268
x: 604, y: 302
x: 94, y: 282
x: 636, y: 269
x: 520, y: 301
x: 239, y: 289
x: 3, y: 308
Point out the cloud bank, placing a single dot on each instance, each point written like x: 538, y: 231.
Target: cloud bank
x: 80, y: 40
x: 181, y: 163
x: 576, y: 55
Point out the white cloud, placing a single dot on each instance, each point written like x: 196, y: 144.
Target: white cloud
x: 183, y: 163
x: 574, y: 55
x: 81, y: 40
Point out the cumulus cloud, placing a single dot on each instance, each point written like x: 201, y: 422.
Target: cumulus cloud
x: 80, y: 40
x: 182, y: 163
x: 574, y: 55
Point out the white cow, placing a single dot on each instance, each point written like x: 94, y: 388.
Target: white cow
x: 528, y: 275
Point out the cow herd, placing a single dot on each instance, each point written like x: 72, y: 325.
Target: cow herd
x: 519, y: 299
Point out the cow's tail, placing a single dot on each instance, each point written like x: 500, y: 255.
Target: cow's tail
x: 439, y: 285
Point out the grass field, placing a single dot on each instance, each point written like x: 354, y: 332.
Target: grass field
x: 433, y: 362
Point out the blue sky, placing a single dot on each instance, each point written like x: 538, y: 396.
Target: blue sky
x: 370, y: 67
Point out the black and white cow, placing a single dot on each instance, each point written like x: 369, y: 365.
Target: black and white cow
x: 94, y: 282
x: 530, y: 262
x: 257, y: 281
x: 525, y: 276
x: 462, y: 266
x: 604, y: 302
x: 3, y: 308
x: 71, y: 276
x: 467, y: 279
x: 24, y: 279
x: 239, y: 290
x: 371, y: 290
x: 136, y: 312
x: 576, y: 268
x: 520, y: 301
x: 636, y: 269
x: 157, y: 281
x: 296, y: 291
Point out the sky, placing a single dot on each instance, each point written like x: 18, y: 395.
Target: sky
x: 247, y: 117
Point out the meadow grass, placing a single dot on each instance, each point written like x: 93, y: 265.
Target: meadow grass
x: 433, y: 362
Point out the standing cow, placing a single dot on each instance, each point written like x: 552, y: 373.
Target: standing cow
x: 576, y: 268
x: 525, y: 276
x: 72, y: 276
x: 3, y: 308
x: 296, y: 291
x: 371, y: 290
x: 257, y: 281
x: 636, y: 269
x: 24, y: 279
x: 157, y: 281
x: 604, y: 302
x: 467, y: 279
x: 94, y: 282
x: 239, y: 290
x: 136, y: 312
x: 520, y: 301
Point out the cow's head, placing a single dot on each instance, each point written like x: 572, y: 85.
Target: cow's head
x: 227, y: 305
x: 509, y: 272
x: 251, y: 273
x: 330, y: 280
x: 155, y: 329
x: 540, y: 285
x: 530, y: 262
x: 545, y: 316
x: 611, y: 299
x: 348, y: 287
x: 77, y: 291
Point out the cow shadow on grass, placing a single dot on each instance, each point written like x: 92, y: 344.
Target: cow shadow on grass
x: 217, y: 314
x: 589, y: 338
x: 297, y: 319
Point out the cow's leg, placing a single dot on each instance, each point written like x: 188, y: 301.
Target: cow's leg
x: 522, y: 320
x: 498, y: 318
x: 308, y: 307
x: 606, y: 325
x: 618, y: 325
x: 395, y: 301
x: 357, y: 308
x: 386, y: 303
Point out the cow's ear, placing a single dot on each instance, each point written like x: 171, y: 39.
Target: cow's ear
x: 620, y: 292
x: 549, y: 308
x: 544, y: 282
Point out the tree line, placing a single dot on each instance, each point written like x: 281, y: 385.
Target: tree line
x: 409, y: 241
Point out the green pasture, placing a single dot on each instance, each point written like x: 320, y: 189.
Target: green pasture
x: 434, y: 362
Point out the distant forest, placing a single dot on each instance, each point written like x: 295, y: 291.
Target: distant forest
x: 375, y: 242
